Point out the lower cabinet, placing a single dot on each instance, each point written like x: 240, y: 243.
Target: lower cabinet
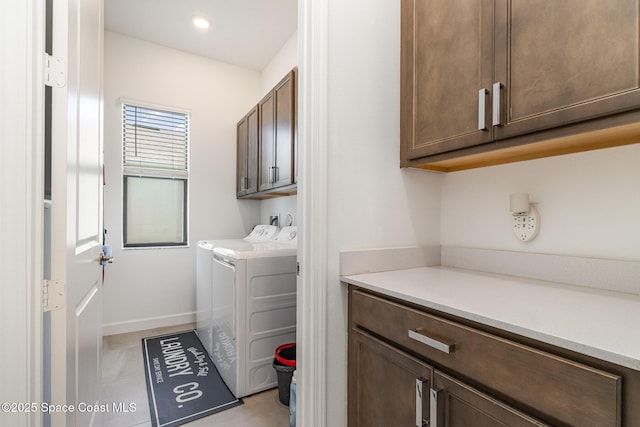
x: 376, y: 368
x: 388, y: 387
x: 409, y: 366
x: 456, y: 404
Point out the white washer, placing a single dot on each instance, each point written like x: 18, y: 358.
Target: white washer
x: 253, y: 309
x: 204, y: 269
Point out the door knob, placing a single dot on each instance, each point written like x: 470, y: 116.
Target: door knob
x: 106, y: 259
x: 105, y: 255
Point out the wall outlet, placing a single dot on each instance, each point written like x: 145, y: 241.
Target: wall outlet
x: 526, y: 226
x: 274, y: 220
x: 288, y: 220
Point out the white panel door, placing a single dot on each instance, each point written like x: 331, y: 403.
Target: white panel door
x: 76, y: 241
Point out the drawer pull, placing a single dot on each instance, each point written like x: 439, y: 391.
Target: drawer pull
x: 497, y: 99
x: 482, y: 106
x: 418, y: 335
x: 420, y: 387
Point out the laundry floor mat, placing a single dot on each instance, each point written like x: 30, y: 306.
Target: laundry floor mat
x: 182, y: 382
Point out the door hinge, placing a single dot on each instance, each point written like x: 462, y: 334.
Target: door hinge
x: 55, y: 71
x: 54, y: 294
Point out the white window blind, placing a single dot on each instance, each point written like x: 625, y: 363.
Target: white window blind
x: 155, y: 142
x: 155, y: 176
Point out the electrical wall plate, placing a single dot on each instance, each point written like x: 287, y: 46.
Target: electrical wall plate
x: 526, y: 226
x: 288, y: 220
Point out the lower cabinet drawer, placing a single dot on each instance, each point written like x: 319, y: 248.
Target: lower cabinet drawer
x: 566, y: 392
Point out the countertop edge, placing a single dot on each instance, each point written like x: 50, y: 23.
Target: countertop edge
x: 595, y: 352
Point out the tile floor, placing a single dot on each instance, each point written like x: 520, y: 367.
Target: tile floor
x: 123, y: 381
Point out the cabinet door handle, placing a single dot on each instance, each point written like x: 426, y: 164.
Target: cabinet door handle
x: 497, y: 103
x: 276, y: 174
x: 421, y: 385
x: 438, y: 344
x: 436, y: 417
x: 482, y: 107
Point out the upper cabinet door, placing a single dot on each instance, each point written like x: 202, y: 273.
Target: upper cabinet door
x: 247, y: 154
x: 296, y: 168
x: 241, y: 158
x: 267, y: 142
x: 561, y: 62
x: 285, y: 131
x: 252, y: 150
x: 446, y: 75
x: 277, y: 135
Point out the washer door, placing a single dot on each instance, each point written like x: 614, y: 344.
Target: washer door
x: 203, y: 295
x: 225, y: 348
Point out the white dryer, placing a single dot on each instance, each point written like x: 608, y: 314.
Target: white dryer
x: 204, y: 278
x: 253, y: 309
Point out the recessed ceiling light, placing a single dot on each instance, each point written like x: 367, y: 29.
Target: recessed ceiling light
x: 201, y: 22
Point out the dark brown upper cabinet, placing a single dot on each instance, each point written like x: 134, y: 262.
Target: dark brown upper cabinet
x: 267, y: 141
x: 447, y: 50
x: 247, y: 154
x: 277, y: 135
x: 564, y: 62
x: 494, y: 81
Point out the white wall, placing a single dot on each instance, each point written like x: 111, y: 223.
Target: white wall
x: 281, y: 63
x: 154, y: 287
x: 371, y: 201
x: 279, y: 206
x: 589, y: 205
x: 278, y: 67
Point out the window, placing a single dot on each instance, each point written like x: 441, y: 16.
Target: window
x: 155, y: 173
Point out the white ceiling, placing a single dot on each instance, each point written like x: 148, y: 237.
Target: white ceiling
x: 247, y: 33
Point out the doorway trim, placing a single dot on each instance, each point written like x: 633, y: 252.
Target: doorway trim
x: 312, y: 206
x: 22, y: 171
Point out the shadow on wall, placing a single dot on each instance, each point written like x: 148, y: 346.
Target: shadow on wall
x: 247, y: 211
x: 423, y: 195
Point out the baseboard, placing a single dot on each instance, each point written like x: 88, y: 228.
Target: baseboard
x: 115, y: 328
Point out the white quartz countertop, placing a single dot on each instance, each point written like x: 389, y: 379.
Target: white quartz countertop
x: 602, y: 324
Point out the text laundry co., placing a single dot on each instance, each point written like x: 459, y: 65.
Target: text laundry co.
x: 174, y: 357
